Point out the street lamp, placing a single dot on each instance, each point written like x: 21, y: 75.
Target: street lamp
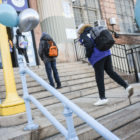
x: 112, y: 23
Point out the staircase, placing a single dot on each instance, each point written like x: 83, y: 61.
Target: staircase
x: 78, y: 84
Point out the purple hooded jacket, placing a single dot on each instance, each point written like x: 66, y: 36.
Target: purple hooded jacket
x: 97, y: 55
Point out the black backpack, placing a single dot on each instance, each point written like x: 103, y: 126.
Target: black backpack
x: 102, y: 38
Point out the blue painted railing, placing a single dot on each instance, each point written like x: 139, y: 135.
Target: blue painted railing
x: 69, y: 108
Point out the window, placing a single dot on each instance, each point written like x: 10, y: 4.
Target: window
x: 125, y: 13
x: 86, y: 11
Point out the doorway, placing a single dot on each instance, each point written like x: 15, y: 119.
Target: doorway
x: 12, y: 47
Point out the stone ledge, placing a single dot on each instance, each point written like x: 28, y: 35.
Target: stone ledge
x: 12, y: 120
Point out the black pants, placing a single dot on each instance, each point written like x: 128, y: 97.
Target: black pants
x: 24, y: 52
x: 99, y: 67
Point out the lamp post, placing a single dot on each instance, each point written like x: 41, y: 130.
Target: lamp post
x: 112, y: 23
x: 12, y: 104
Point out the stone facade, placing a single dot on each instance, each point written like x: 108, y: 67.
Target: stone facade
x: 108, y: 10
x: 37, y: 30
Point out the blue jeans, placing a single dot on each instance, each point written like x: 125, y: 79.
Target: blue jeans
x: 51, y: 66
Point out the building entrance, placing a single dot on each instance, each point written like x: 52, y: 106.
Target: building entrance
x: 30, y: 49
x: 11, y: 32
x: 12, y: 48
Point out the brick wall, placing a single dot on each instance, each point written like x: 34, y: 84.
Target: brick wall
x: 108, y: 10
x: 128, y: 39
x: 37, y: 30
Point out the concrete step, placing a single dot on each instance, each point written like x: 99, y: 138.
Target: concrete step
x: 42, y: 67
x: 62, y: 72
x: 68, y: 86
x: 68, y: 77
x: 66, y: 82
x: 46, y: 99
x: 124, y: 128
x: 130, y: 131
x: 63, y: 77
x: 118, y: 101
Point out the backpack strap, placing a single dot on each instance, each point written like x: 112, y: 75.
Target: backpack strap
x: 93, y: 41
x: 50, y: 43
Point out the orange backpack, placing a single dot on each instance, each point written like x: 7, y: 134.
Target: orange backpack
x: 53, y: 50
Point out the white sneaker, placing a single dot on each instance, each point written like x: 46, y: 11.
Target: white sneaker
x: 101, y: 102
x: 130, y: 91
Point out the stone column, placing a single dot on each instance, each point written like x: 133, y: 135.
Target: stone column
x: 37, y: 30
x: 57, y: 19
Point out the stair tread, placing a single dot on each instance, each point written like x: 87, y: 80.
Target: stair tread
x: 124, y: 130
x: 80, y: 87
x: 115, y: 104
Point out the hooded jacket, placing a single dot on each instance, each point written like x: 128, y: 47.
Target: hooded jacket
x: 45, y: 37
x: 94, y: 55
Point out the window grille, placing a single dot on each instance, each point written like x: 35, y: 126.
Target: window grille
x: 86, y: 11
x: 125, y: 13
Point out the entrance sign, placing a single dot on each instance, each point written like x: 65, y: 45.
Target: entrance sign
x: 8, y: 15
x: 19, y: 5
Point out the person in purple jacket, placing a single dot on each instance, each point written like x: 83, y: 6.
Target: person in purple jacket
x: 100, y: 60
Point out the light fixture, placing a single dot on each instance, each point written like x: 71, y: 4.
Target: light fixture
x: 112, y: 21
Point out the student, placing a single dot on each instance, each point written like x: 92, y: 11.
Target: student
x: 10, y: 45
x: 49, y: 61
x: 100, y: 60
x: 21, y: 43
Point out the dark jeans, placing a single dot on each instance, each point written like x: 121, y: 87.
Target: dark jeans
x: 99, y: 67
x: 51, y: 66
x: 24, y: 52
x: 0, y: 65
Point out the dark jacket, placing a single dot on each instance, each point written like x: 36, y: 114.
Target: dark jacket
x: 86, y: 41
x: 44, y: 38
x: 93, y: 54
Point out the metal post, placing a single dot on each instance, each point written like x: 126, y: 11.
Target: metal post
x: 135, y: 68
x: 75, y: 41
x: 126, y: 54
x: 13, y: 104
x: 71, y: 131
x: 30, y: 125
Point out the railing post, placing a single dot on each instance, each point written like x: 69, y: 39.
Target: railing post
x: 126, y: 54
x: 135, y: 67
x: 75, y: 49
x: 70, y: 126
x: 30, y: 125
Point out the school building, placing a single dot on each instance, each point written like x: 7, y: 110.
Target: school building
x: 60, y: 18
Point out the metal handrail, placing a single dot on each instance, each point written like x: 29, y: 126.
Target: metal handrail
x: 69, y: 108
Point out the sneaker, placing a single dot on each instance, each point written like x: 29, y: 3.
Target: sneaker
x: 130, y: 91
x: 101, y: 102
x: 58, y: 87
